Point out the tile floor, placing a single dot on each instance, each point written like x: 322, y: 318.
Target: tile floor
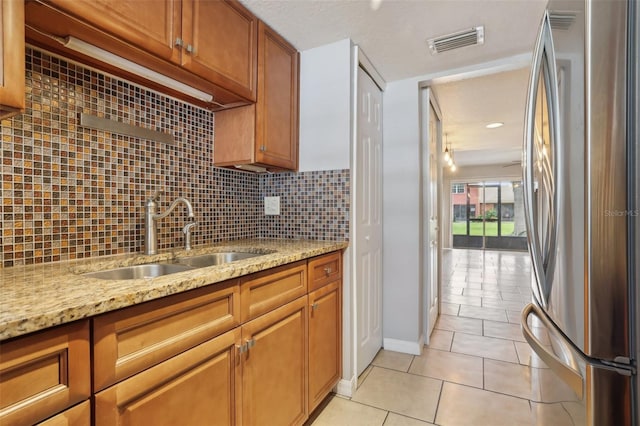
x: 477, y: 369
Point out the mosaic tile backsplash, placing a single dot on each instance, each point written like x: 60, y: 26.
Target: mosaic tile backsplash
x: 71, y: 192
x: 313, y: 205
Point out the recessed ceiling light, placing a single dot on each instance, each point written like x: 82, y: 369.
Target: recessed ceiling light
x: 494, y: 125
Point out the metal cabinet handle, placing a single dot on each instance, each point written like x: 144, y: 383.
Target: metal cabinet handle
x: 246, y: 346
x: 179, y: 42
x: 190, y: 48
x: 314, y: 306
x: 263, y: 148
x: 328, y: 270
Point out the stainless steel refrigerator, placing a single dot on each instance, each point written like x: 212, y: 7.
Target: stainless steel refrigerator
x: 580, y: 173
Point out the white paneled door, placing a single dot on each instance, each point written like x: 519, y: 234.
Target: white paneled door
x: 431, y: 194
x: 368, y: 220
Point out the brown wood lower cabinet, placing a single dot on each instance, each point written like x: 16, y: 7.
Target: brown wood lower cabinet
x: 325, y: 341
x: 197, y: 387
x: 258, y: 350
x: 44, y: 373
x: 274, y: 367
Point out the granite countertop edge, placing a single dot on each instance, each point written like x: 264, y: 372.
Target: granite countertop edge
x: 36, y: 297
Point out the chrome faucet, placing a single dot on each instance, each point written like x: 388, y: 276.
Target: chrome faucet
x: 150, y: 218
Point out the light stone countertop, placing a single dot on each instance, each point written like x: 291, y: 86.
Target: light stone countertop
x: 35, y: 297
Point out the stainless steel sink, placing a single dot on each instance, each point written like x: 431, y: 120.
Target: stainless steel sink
x: 149, y: 270
x: 213, y: 259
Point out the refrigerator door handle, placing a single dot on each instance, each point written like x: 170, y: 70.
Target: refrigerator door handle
x: 569, y: 375
x: 527, y: 164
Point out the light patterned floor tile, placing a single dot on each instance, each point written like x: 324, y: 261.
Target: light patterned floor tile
x: 449, y: 366
x: 463, y: 300
x: 394, y: 419
x: 488, y: 347
x: 449, y: 308
x: 536, y: 384
x: 483, y: 313
x: 343, y: 412
x: 467, y: 406
x: 440, y: 339
x: 503, y: 330
x: 403, y: 393
x: 393, y: 360
x: 458, y: 324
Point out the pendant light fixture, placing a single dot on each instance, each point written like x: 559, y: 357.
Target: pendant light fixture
x: 448, y: 155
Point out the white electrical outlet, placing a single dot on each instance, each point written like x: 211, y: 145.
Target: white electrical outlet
x: 271, y: 205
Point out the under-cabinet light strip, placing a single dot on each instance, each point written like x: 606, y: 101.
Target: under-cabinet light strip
x: 126, y: 65
x: 95, y: 52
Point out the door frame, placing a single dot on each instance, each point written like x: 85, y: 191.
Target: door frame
x: 428, y: 100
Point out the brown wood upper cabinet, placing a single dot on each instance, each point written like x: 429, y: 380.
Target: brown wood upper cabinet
x: 264, y: 134
x: 215, y: 40
x: 12, y: 88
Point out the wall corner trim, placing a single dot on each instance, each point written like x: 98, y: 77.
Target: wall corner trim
x: 347, y: 387
x: 404, y: 346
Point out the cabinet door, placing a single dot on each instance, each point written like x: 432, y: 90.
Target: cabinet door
x: 12, y: 86
x: 277, y: 105
x: 274, y: 367
x: 44, y: 373
x: 197, y: 387
x: 152, y: 25
x: 221, y: 44
x: 325, y: 341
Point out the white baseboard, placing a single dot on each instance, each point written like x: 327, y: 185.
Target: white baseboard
x: 347, y: 387
x: 404, y: 346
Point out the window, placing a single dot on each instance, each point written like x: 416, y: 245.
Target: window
x: 457, y: 188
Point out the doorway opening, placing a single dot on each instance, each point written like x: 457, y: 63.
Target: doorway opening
x: 488, y: 215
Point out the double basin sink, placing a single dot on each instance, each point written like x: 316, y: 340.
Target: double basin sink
x: 153, y: 270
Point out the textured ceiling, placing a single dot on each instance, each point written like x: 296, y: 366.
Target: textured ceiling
x: 394, y: 37
x: 469, y: 105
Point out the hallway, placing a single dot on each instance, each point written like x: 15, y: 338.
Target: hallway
x: 477, y: 370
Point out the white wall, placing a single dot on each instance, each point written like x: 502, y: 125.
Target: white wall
x: 402, y: 304
x: 325, y: 107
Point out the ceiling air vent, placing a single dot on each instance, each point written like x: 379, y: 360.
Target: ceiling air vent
x: 456, y: 40
x: 561, y: 20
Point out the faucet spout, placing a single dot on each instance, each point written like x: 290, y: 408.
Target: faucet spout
x: 173, y: 205
x: 151, y: 217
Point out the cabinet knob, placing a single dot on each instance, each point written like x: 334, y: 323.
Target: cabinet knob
x: 314, y: 306
x: 190, y: 48
x: 327, y: 270
x: 263, y: 148
x: 179, y: 42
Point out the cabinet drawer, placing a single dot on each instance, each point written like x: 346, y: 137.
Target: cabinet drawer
x: 265, y: 291
x: 133, y: 339
x: 324, y: 270
x: 196, y: 387
x: 80, y: 415
x: 44, y: 373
